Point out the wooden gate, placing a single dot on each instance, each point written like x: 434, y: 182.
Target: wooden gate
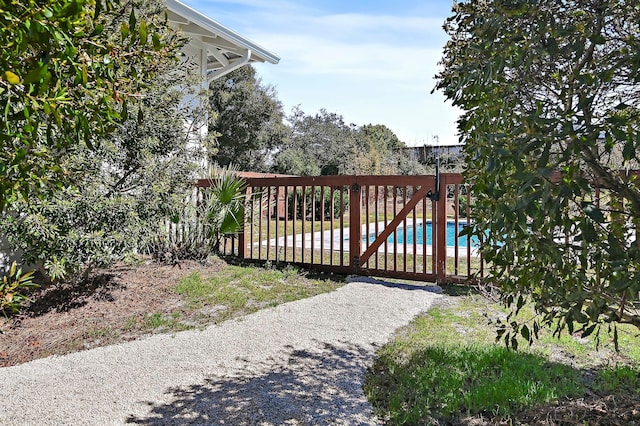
x: 388, y: 226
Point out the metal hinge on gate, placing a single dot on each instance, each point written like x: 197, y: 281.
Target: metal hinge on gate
x: 356, y: 261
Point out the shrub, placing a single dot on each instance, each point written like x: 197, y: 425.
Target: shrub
x: 74, y: 232
x: 10, y: 297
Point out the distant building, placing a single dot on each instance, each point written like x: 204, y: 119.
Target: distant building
x: 428, y: 154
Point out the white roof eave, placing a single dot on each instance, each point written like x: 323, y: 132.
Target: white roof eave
x: 213, y: 27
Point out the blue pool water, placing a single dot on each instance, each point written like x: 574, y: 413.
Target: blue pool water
x: 420, y: 237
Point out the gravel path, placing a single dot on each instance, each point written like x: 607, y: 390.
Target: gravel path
x: 301, y: 363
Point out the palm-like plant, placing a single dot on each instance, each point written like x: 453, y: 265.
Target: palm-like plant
x: 224, y: 205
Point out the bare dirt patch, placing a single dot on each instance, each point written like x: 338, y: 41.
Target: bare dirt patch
x: 112, y: 306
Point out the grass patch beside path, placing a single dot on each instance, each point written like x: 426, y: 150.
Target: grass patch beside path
x: 240, y: 290
x: 128, y: 301
x: 445, y: 367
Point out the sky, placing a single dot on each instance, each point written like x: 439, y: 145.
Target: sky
x: 371, y: 61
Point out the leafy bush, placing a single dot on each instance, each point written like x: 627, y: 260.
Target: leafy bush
x: 549, y: 151
x: 171, y: 249
x: 120, y: 186
x: 10, y: 286
x: 75, y: 231
x: 198, y: 225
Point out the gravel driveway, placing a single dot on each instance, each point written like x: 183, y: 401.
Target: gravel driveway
x: 301, y: 363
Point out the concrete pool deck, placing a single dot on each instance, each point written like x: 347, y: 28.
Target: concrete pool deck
x: 339, y: 238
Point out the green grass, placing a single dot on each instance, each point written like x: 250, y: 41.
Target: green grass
x: 445, y: 366
x: 156, y: 322
x: 327, y: 257
x: 239, y: 290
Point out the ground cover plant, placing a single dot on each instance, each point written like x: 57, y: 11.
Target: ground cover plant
x: 132, y: 300
x: 445, y: 368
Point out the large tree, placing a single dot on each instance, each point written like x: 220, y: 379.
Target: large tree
x: 320, y: 144
x: 551, y: 97
x: 380, y: 152
x: 247, y: 118
x: 122, y: 183
x: 63, y: 83
x: 323, y: 144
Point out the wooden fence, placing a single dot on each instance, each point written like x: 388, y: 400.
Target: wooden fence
x: 389, y: 226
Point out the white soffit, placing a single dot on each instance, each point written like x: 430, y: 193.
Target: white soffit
x: 225, y: 49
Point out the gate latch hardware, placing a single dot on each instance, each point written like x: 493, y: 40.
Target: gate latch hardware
x: 435, y: 195
x: 355, y: 188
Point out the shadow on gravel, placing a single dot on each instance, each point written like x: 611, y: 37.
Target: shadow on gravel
x: 405, y: 285
x: 314, y: 388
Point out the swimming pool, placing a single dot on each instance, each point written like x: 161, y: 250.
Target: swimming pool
x: 420, y: 237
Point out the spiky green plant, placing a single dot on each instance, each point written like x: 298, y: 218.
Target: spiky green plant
x: 225, y: 205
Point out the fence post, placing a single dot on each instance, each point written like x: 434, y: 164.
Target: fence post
x: 242, y: 236
x: 355, y: 227
x: 441, y: 229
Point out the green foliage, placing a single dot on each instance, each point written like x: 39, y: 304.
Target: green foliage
x: 64, y: 83
x: 295, y: 161
x: 241, y: 290
x: 121, y: 184
x: 318, y: 145
x: 224, y: 207
x: 247, y: 118
x: 12, y: 283
x: 323, y: 144
x: 445, y: 382
x: 187, y: 243
x: 76, y: 230
x: 551, y: 120
x: 378, y: 151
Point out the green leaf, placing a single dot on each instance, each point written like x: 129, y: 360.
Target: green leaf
x: 629, y: 150
x: 98, y: 30
x: 589, y: 330
x: 36, y: 74
x: 11, y: 77
x: 157, y: 45
x: 124, y: 31
x: 72, y: 8
x: 143, y: 32
x: 593, y: 212
x: 125, y: 112
x: 132, y: 19
x: 97, y: 10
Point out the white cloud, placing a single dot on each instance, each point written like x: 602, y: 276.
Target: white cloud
x: 371, y: 68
